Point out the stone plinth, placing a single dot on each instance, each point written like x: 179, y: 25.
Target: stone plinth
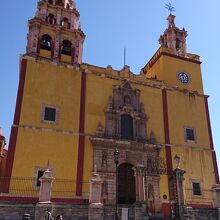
x: 96, y: 212
x: 140, y: 212
x: 96, y: 182
x: 46, y: 186
x: 41, y: 211
x: 216, y: 195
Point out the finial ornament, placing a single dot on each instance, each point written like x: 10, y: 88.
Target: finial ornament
x: 170, y: 8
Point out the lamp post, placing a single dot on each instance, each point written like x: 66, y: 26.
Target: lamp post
x: 116, y: 159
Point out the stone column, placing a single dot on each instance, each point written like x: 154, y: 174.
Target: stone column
x: 139, y: 172
x: 46, y: 186
x: 179, y: 178
x: 57, y: 47
x: 33, y: 38
x: 96, y: 210
x: 216, y: 195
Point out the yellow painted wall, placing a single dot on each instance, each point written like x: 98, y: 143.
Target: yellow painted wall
x: 59, y: 86
x: 187, y: 110
x: 166, y: 68
x: 36, y: 147
x: 51, y: 85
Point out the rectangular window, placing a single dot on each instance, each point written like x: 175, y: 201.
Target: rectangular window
x: 50, y: 114
x: 40, y: 173
x: 190, y: 134
x: 196, y: 189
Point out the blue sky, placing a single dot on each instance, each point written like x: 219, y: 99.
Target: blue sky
x: 110, y: 26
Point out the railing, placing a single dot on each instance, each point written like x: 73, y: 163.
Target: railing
x: 28, y: 187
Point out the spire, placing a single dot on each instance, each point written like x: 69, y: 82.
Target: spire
x: 173, y: 37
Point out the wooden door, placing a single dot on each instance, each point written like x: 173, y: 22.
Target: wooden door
x: 126, y: 184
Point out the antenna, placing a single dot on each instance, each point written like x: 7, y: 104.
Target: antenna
x: 124, y: 56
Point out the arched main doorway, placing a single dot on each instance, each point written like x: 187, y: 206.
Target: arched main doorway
x: 126, y: 184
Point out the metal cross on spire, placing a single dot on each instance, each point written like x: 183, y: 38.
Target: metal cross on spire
x: 170, y: 8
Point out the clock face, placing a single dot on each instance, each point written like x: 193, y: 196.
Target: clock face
x: 183, y: 77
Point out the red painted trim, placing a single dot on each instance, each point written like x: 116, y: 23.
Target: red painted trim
x: 166, y: 210
x: 14, y: 130
x: 68, y: 200
x: 215, y: 166
x: 19, y: 199
x: 200, y: 206
x: 214, y: 161
x: 20, y: 91
x: 167, y: 141
x: 181, y: 58
x: 166, y: 130
x: 36, y: 199
x: 81, y: 147
x: 174, y: 56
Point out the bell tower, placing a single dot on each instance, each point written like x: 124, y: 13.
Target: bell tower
x: 55, y: 32
x: 172, y: 63
x: 174, y: 37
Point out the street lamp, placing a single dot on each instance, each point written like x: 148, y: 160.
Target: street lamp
x: 116, y: 159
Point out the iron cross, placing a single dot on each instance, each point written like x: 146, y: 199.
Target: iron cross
x: 170, y: 8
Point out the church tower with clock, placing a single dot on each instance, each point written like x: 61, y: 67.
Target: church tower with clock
x: 138, y: 140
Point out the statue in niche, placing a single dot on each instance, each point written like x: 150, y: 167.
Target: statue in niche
x: 100, y: 130
x: 104, y: 159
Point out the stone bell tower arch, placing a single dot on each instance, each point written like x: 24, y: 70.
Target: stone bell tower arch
x: 55, y: 32
x: 174, y: 37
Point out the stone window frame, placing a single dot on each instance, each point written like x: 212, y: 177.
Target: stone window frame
x: 194, y: 132
x: 118, y: 106
x: 201, y: 188
x: 57, y: 116
x: 36, y: 170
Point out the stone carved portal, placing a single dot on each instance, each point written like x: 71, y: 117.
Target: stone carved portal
x: 138, y: 158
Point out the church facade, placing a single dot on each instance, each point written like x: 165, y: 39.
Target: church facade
x: 75, y: 115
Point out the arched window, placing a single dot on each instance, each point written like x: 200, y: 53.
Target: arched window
x: 51, y: 19
x: 50, y: 1
x: 66, y: 47
x: 46, y: 42
x: 178, y: 44
x: 67, y: 6
x: 127, y: 127
x: 65, y: 23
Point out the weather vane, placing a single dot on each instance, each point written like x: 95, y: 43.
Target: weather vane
x: 170, y: 8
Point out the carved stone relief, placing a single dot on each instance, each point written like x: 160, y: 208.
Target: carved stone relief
x: 142, y: 155
x: 125, y: 101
